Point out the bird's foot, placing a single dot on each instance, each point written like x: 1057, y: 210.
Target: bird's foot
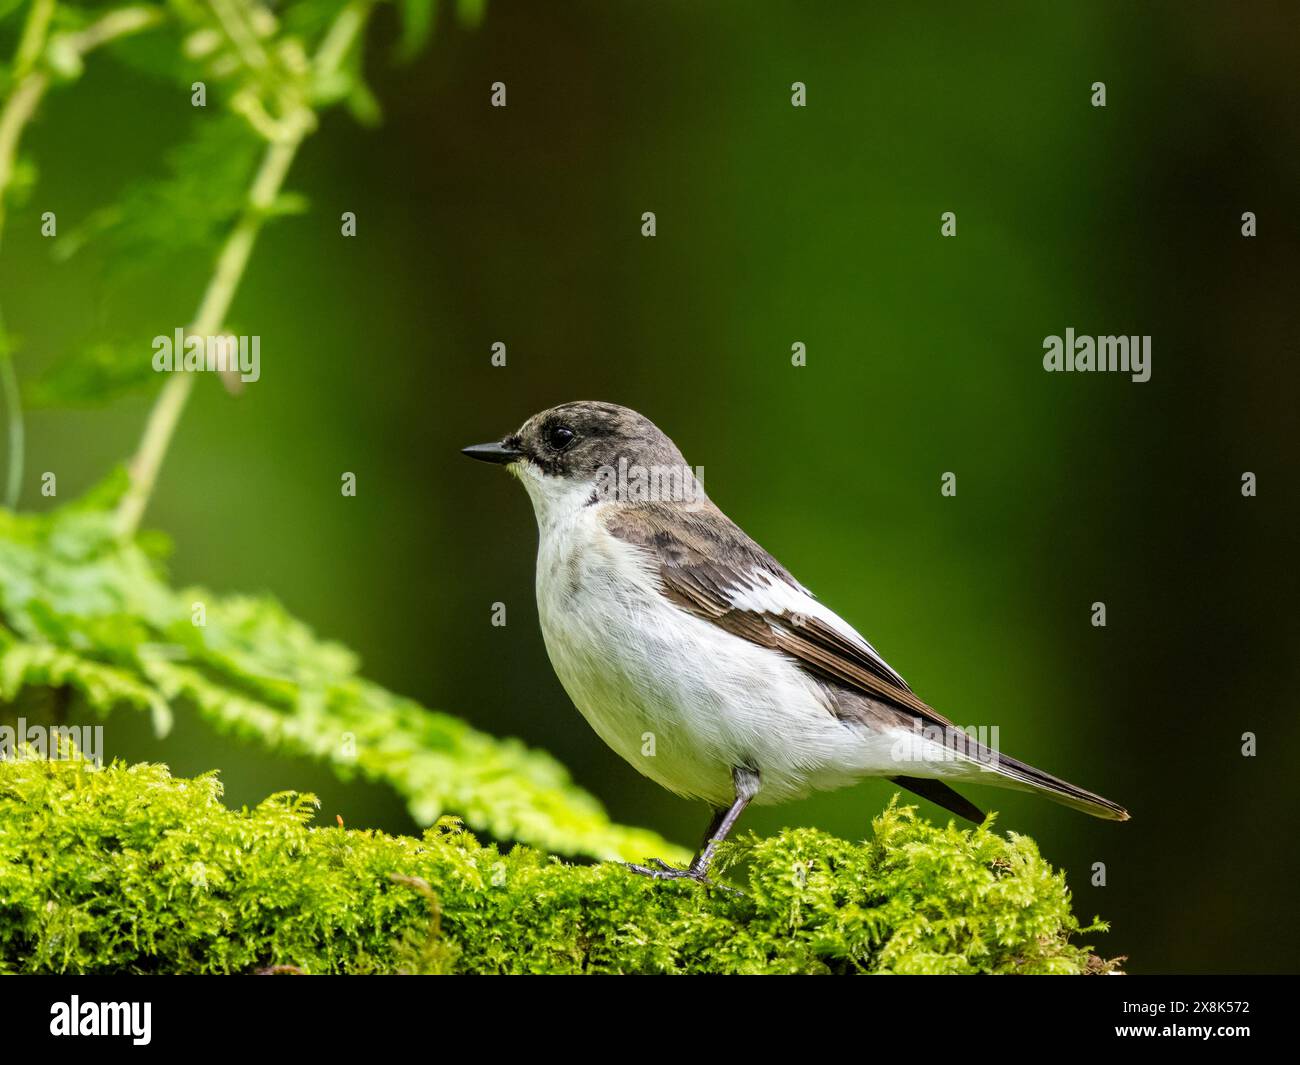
x: 657, y: 869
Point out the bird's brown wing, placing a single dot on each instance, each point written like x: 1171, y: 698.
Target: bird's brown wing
x: 708, y: 566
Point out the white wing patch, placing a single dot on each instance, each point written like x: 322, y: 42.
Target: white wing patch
x: 765, y: 593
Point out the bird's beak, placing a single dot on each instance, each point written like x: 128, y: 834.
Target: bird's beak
x: 497, y: 453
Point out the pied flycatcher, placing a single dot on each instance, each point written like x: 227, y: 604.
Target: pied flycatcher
x: 695, y: 654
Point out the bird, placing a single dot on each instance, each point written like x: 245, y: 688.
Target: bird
x: 699, y: 659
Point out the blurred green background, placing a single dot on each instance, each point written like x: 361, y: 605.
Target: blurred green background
x: 775, y: 225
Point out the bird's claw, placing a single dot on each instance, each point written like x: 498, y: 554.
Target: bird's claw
x: 658, y: 869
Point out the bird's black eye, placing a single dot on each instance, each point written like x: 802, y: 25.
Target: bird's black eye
x: 558, y: 437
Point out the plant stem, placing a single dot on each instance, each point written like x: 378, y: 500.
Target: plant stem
x: 231, y: 262
x: 239, y: 32
x: 120, y: 23
x: 212, y: 311
x: 341, y: 35
x: 18, y: 111
x: 14, y: 418
x: 32, y: 42
x: 30, y: 85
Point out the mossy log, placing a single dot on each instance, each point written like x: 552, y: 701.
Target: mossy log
x: 129, y: 869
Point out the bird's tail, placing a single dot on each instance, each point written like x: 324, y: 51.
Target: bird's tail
x: 1023, y: 777
x: 991, y: 767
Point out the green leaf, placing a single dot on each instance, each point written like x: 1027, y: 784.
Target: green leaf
x: 363, y: 105
x: 82, y: 609
x: 97, y: 374
x: 418, y: 18
x: 193, y: 206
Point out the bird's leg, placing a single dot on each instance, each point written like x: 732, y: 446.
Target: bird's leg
x: 746, y: 782
x: 715, y: 822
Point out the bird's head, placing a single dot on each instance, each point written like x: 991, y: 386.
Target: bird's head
x: 583, y: 453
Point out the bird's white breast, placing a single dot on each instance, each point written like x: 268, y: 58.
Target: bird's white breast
x: 678, y: 697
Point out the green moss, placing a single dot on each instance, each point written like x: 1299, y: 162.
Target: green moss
x: 127, y: 868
